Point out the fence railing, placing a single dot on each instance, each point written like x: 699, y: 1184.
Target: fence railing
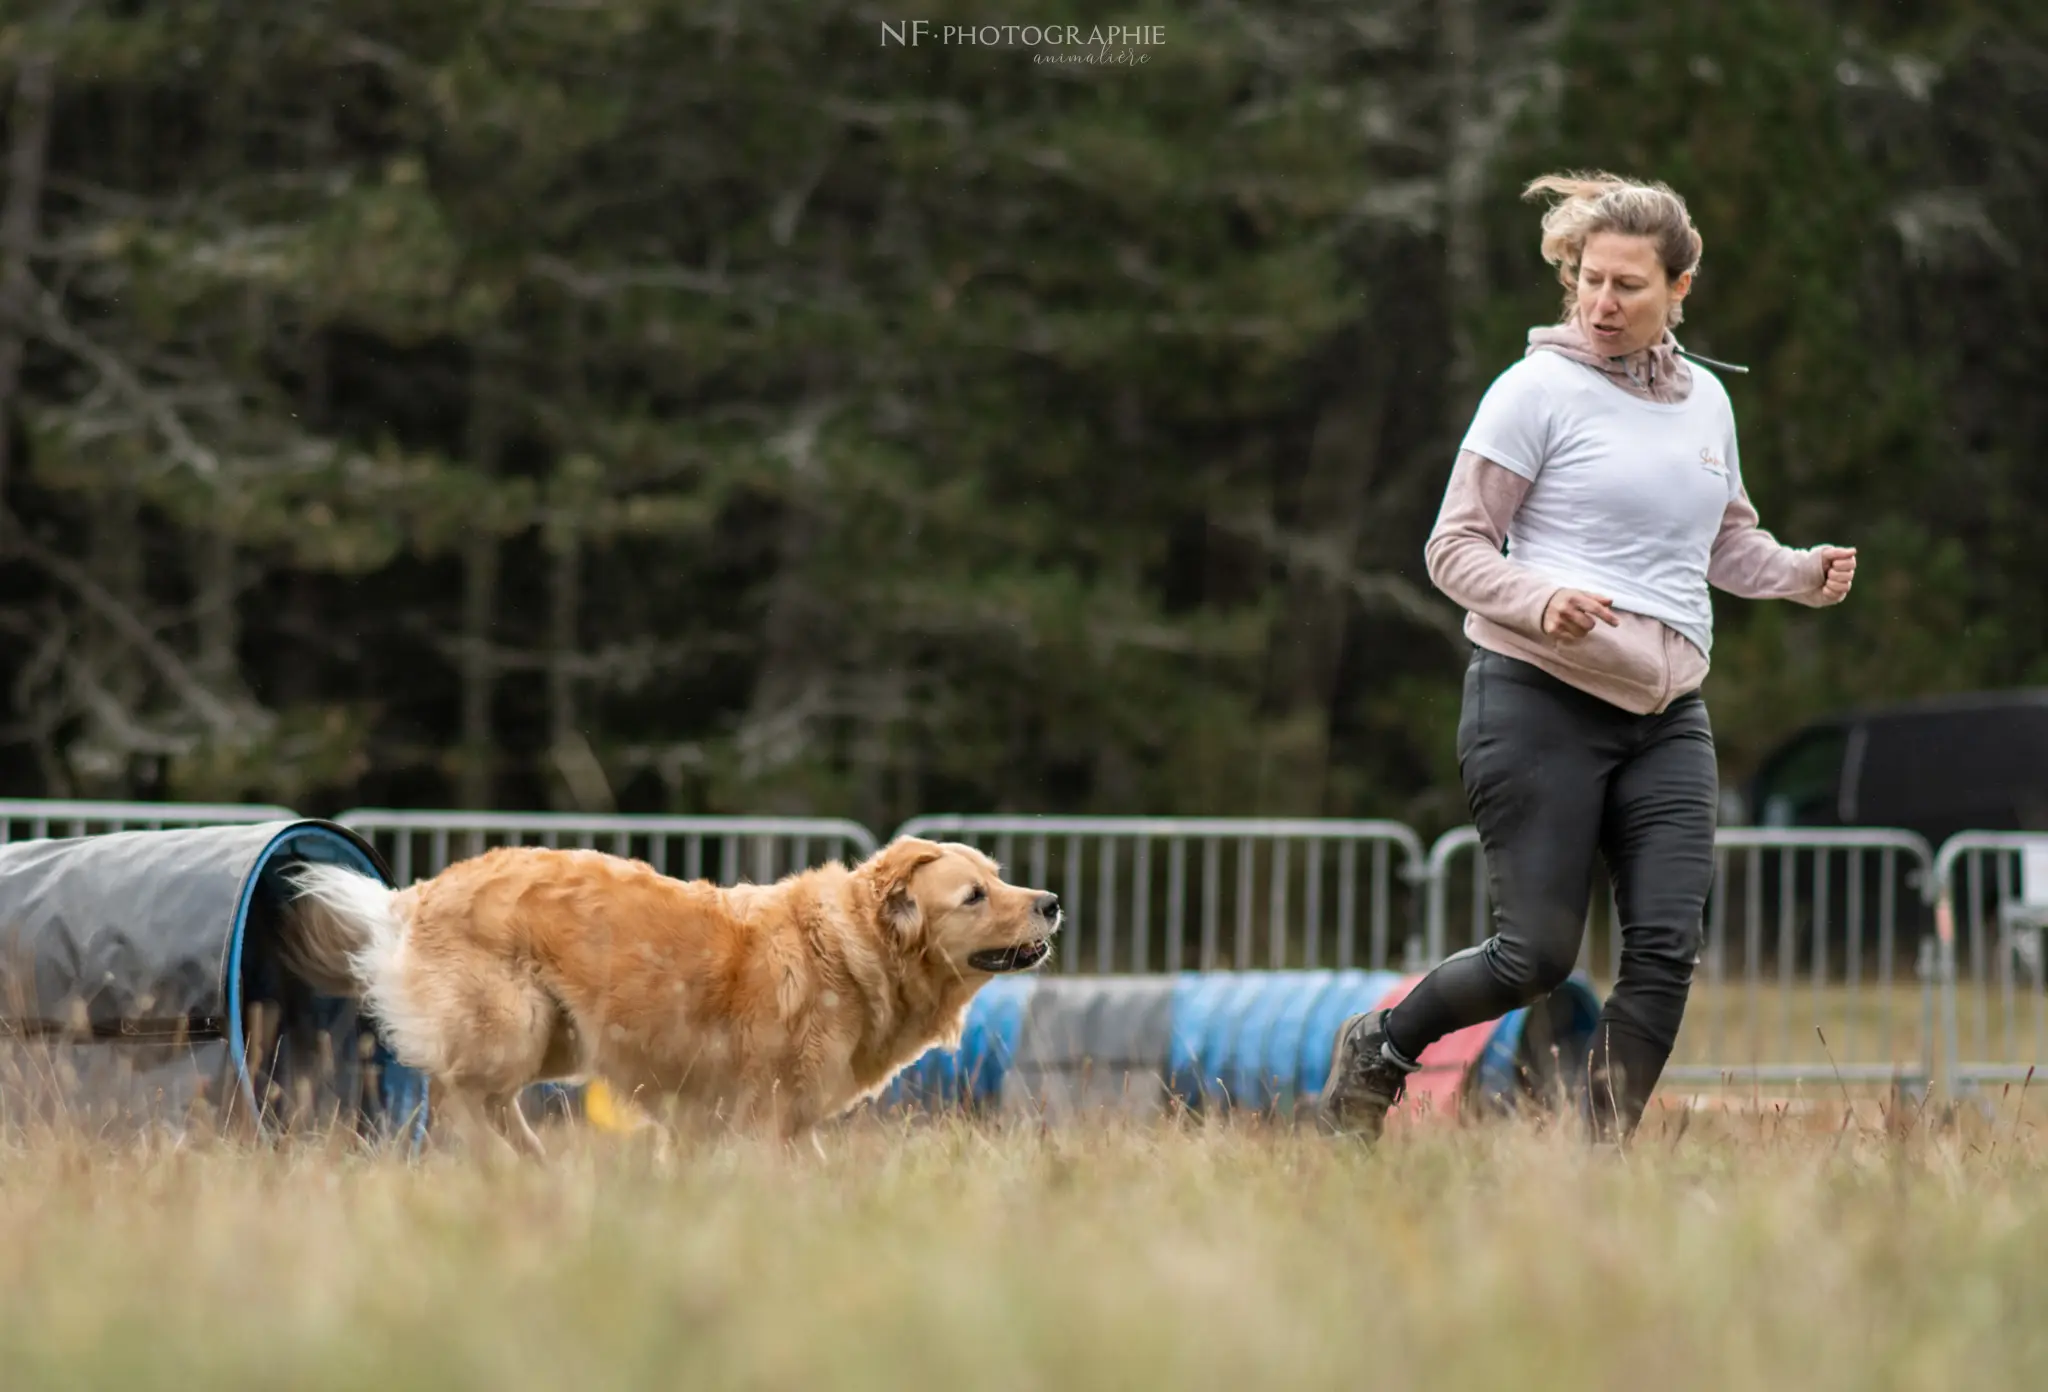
x: 23, y: 819
x: 1144, y: 893
x: 1851, y: 955
x: 1815, y: 963
x: 1991, y: 919
x: 725, y: 849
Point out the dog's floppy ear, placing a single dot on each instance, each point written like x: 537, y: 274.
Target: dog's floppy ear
x: 891, y: 867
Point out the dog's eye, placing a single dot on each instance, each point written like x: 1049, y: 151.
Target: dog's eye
x: 975, y: 895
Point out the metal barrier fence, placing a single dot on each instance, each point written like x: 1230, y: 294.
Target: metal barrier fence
x: 1853, y: 955
x: 1812, y: 942
x: 725, y: 849
x: 36, y: 818
x: 1991, y: 918
x: 1144, y: 890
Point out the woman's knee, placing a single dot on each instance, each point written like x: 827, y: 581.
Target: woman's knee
x: 1657, y: 954
x: 1532, y: 966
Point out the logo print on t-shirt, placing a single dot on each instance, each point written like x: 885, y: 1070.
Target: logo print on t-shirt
x: 1711, y: 460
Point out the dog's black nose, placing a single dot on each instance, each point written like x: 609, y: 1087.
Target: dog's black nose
x: 1048, y: 906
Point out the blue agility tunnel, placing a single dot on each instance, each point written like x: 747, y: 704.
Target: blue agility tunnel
x: 141, y: 984
x: 970, y: 1077
x: 1536, y: 1050
x: 1217, y: 1042
x: 1261, y: 1039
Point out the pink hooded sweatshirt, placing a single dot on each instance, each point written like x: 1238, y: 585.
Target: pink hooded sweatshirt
x: 1641, y: 664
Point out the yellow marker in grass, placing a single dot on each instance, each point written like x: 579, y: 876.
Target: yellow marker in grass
x: 606, y: 1112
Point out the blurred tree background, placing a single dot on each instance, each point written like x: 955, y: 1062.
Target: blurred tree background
x: 708, y: 406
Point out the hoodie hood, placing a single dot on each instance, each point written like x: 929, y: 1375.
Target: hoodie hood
x: 1657, y: 373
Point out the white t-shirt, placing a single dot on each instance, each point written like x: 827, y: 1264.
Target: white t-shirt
x: 1626, y: 495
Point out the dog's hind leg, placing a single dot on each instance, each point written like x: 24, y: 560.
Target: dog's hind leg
x: 496, y: 1031
x: 475, y: 1118
x: 512, y: 1126
x: 456, y: 1115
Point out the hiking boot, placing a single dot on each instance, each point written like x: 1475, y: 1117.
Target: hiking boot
x: 1364, y: 1082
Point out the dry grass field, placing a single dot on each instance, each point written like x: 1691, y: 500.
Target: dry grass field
x: 1723, y: 1251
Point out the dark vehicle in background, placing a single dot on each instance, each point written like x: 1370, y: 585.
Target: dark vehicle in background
x: 1937, y: 766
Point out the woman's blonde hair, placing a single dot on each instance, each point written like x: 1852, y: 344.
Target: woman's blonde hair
x: 1598, y: 202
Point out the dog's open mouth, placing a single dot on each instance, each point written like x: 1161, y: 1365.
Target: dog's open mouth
x: 1022, y: 957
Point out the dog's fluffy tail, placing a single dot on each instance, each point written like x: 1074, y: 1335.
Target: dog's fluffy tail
x: 341, y: 930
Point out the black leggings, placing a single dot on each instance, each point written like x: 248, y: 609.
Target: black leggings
x: 1554, y: 776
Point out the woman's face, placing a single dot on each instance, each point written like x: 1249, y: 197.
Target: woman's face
x: 1625, y: 298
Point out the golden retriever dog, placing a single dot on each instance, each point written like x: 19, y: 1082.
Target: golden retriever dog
x: 770, y: 1007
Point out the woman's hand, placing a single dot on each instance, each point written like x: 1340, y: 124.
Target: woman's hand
x: 1838, y: 573
x: 1572, y: 614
